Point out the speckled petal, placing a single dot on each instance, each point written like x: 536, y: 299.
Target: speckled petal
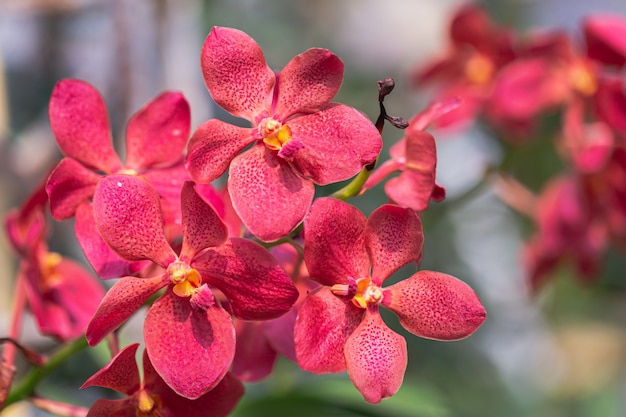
x: 202, y: 226
x: 435, y: 306
x: 338, y: 141
x: 189, y: 348
x: 251, y: 278
x: 267, y: 194
x: 235, y: 72
x: 118, y: 374
x: 80, y: 123
x: 157, y: 134
x: 119, y: 303
x: 128, y: 214
x: 414, y: 187
x: 70, y: 184
x: 308, y: 82
x: 394, y: 239
x: 213, y: 146
x: 112, y: 408
x: 334, y: 242
x: 323, y: 326
x: 376, y: 358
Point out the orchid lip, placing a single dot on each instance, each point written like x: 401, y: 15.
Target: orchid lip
x: 361, y: 292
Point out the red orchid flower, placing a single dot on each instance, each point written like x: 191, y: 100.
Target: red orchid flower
x: 339, y: 326
x: 299, y: 137
x: 61, y: 293
x: 152, y: 396
x: 190, y: 339
x: 156, y: 137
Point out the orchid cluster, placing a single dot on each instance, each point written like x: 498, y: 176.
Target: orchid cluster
x: 234, y: 276
x: 513, y: 83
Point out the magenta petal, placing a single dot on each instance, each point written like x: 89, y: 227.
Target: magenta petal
x: 118, y: 373
x: 190, y: 349
x: 435, y: 306
x: 605, y: 36
x: 102, y: 258
x: 334, y: 242
x: 119, y: 303
x: 80, y: 123
x: 70, y: 184
x: 157, y: 134
x: 394, y: 239
x: 376, y: 358
x: 202, y: 226
x: 267, y: 194
x: 112, y: 408
x: 323, y: 326
x: 338, y: 142
x: 610, y: 102
x: 251, y: 278
x: 128, y: 213
x: 414, y: 187
x: 254, y: 356
x: 213, y: 146
x: 308, y: 82
x: 235, y: 72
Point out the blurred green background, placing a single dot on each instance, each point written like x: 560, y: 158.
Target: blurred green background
x: 560, y: 353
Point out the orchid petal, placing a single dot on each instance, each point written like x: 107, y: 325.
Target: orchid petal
x: 157, y: 134
x: 338, y: 141
x: 112, y: 408
x: 119, y: 303
x: 202, y: 226
x: 70, y: 184
x: 189, y: 348
x: 254, y: 357
x: 610, y: 101
x: 267, y: 194
x: 323, y: 326
x: 235, y: 72
x: 213, y: 146
x: 80, y: 123
x: 376, y: 358
x: 106, y: 262
x: 605, y: 36
x: 118, y: 374
x: 436, y: 306
x: 128, y: 213
x: 334, y: 242
x: 394, y: 238
x: 308, y: 82
x: 250, y: 277
x: 414, y: 186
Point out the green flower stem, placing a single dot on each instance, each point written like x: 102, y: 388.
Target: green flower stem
x: 26, y: 387
x: 353, y: 188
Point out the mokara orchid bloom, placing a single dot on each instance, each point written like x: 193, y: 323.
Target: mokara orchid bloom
x: 299, y: 138
x: 156, y: 137
x: 339, y: 326
x: 189, y: 337
x: 151, y: 396
x: 61, y: 293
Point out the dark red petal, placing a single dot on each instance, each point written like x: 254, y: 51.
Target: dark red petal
x: 338, y: 141
x: 190, y: 349
x: 119, y: 303
x: 70, y: 185
x: 120, y: 374
x: 251, y: 278
x: 435, y: 306
x: 323, y: 326
x: 80, y: 123
x: 376, y: 358
x: 128, y: 214
x: 112, y: 408
x: 605, y: 36
x: 235, y: 72
x: 157, y: 134
x: 254, y: 357
x: 308, y: 82
x: 267, y: 194
x: 334, y: 242
x: 213, y: 146
x: 394, y: 239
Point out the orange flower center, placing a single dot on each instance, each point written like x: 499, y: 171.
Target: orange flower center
x: 186, y: 280
x: 274, y: 133
x: 479, y: 69
x: 147, y: 405
x: 366, y: 293
x: 582, y: 78
x: 48, y: 266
